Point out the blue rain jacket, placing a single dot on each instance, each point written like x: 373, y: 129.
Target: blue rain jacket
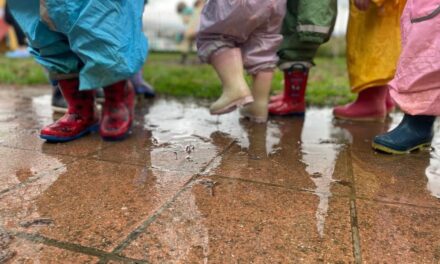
x: 100, y: 41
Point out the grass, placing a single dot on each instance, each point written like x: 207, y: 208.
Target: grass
x: 328, y: 83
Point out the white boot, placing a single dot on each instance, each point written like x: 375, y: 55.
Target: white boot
x: 257, y: 111
x: 228, y: 64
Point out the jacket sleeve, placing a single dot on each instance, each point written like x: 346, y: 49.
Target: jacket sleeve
x: 316, y: 20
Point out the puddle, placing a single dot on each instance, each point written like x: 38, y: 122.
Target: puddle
x: 320, y: 152
x: 172, y: 121
x: 433, y: 170
x: 186, y: 134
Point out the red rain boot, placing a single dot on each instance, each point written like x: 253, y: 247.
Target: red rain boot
x: 369, y: 106
x: 117, y: 112
x: 276, y: 98
x: 80, y: 118
x: 292, y: 101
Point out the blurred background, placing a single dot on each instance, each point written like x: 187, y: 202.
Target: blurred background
x: 162, y: 23
x: 173, y: 67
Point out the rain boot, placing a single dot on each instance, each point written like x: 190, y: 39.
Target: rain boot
x: 413, y: 133
x: 228, y: 64
x: 370, y: 105
x: 293, y: 100
x: 276, y: 98
x: 80, y: 118
x: 58, y: 103
x: 117, y: 111
x: 257, y: 111
x: 141, y: 86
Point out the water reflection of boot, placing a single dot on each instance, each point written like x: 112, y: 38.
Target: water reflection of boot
x: 257, y: 140
x: 360, y: 134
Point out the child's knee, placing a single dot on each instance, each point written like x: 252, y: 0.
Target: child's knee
x: 261, y: 54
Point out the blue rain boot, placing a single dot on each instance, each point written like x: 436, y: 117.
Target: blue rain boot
x: 141, y: 86
x: 413, y: 133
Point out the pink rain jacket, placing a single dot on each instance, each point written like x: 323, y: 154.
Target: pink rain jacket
x: 416, y: 86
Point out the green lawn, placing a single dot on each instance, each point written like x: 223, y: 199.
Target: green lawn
x: 328, y: 82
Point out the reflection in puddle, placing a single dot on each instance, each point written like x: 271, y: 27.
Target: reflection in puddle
x: 182, y: 130
x: 319, y: 153
x: 433, y: 170
x: 189, y: 120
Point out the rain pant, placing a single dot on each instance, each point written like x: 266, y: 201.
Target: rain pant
x: 253, y: 26
x: 307, y: 25
x: 416, y: 86
x: 99, y: 41
x: 373, y: 43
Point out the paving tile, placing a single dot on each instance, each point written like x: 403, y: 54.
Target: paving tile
x: 91, y: 203
x: 18, y: 166
x: 390, y: 178
x: 291, y: 154
x: 398, y: 234
x: 240, y: 222
x: 22, y: 251
x: 189, y: 154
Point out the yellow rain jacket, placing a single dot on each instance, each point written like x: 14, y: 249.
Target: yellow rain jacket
x: 373, y: 43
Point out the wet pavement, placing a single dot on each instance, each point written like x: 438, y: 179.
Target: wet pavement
x: 187, y: 187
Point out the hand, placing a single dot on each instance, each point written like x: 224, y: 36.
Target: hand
x: 362, y: 4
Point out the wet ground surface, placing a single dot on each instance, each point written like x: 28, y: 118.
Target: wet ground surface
x: 187, y: 187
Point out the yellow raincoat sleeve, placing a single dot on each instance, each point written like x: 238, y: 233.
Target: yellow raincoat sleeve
x: 373, y: 43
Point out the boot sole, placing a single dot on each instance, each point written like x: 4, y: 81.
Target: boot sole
x: 232, y: 106
x: 361, y: 119
x: 54, y: 139
x: 388, y: 150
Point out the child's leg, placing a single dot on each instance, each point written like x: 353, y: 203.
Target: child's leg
x: 118, y: 111
x: 228, y: 64
x: 226, y: 25
x: 141, y: 86
x: 299, y: 47
x: 369, y: 106
x: 260, y: 59
x: 52, y: 50
x: 80, y: 118
x: 257, y: 111
x: 371, y: 63
x: 292, y: 101
x: 413, y: 133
